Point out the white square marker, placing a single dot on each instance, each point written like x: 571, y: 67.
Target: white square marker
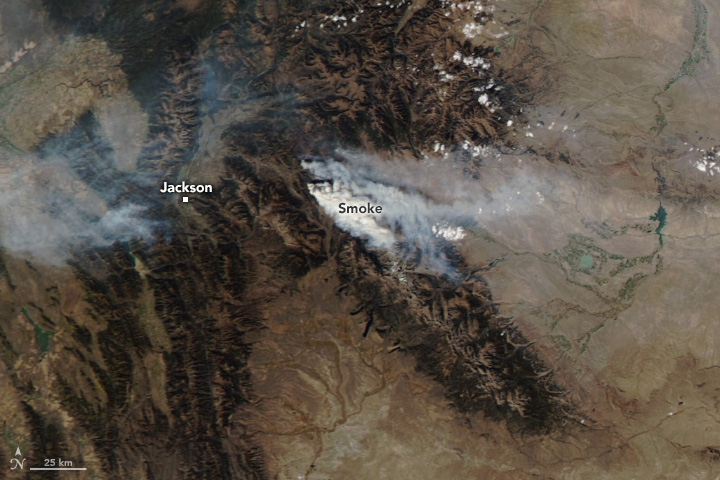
x: 185, y: 199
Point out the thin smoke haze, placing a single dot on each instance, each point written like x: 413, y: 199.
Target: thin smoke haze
x: 46, y: 211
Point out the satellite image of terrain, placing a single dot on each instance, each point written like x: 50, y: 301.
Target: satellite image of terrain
x: 350, y: 240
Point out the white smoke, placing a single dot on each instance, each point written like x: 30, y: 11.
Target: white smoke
x: 368, y: 226
x: 425, y: 203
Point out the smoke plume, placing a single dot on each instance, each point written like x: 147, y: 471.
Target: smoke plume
x: 426, y: 204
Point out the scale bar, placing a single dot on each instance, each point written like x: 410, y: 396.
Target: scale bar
x: 60, y: 468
